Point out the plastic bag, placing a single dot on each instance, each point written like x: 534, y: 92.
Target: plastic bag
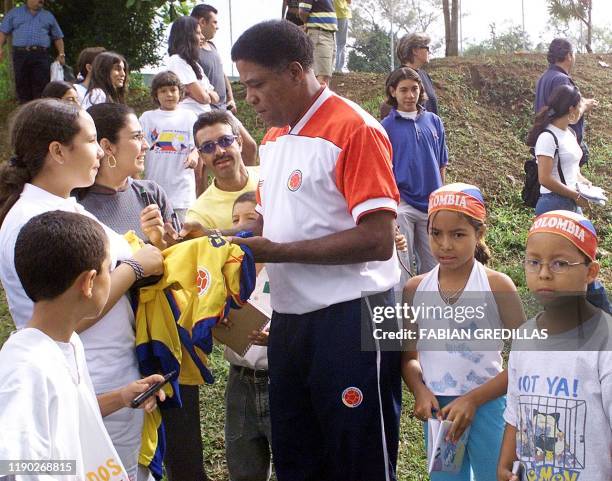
x: 57, y: 71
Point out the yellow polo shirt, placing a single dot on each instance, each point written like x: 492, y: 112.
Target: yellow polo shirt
x: 213, y: 209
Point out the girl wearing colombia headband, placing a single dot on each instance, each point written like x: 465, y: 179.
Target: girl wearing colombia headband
x: 461, y: 384
x: 559, y: 412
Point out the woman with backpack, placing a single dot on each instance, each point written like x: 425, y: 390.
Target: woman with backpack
x: 558, y: 156
x: 558, y: 152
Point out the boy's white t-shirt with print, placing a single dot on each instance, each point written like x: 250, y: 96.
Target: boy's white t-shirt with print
x: 570, y: 154
x: 187, y: 76
x: 560, y: 402
x: 170, y: 137
x: 49, y: 410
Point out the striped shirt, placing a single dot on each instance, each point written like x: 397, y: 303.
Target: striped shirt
x: 321, y: 14
x: 31, y: 30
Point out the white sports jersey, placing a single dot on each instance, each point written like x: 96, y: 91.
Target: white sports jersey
x: 319, y: 178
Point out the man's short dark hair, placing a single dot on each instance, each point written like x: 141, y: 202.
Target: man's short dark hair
x: 203, y: 11
x: 215, y: 117
x: 55, y: 248
x: 558, y: 50
x: 274, y: 44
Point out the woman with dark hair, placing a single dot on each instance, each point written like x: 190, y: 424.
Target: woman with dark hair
x: 558, y: 152
x: 115, y: 197
x: 183, y: 48
x: 55, y: 151
x: 413, y: 51
x: 109, y: 79
x: 84, y: 66
x: 419, y: 159
x: 58, y: 89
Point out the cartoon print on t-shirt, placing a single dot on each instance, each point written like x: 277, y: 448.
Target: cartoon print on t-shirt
x: 551, y: 434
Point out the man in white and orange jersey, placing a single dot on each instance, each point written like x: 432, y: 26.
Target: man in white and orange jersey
x: 328, y: 201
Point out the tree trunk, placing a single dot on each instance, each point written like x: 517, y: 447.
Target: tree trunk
x: 454, y: 44
x: 451, y: 27
x: 447, y: 26
x: 589, y: 27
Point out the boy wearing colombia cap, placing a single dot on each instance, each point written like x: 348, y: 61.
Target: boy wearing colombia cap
x: 559, y: 407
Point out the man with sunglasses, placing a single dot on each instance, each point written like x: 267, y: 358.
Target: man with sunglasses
x: 218, y: 140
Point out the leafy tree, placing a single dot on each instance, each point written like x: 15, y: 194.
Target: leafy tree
x: 134, y: 32
x: 372, y: 47
x: 509, y: 41
x: 169, y: 10
x: 581, y: 10
x: 375, y: 22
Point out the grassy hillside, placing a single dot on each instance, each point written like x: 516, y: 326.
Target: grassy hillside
x: 486, y: 104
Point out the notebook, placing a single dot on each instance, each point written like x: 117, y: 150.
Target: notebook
x: 444, y: 455
x: 253, y: 316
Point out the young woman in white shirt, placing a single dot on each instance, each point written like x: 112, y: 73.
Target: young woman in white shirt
x: 109, y: 80
x: 183, y: 47
x: 84, y: 64
x: 563, y: 108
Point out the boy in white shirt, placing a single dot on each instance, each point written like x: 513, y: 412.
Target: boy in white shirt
x: 48, y: 409
x: 559, y: 404
x: 171, y: 158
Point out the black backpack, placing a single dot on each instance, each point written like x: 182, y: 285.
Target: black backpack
x: 531, y: 189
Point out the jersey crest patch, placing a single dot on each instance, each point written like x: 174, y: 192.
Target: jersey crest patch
x: 202, y: 281
x: 295, y: 180
x: 352, y: 397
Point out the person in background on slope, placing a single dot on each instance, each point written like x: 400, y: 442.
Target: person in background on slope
x: 210, y: 61
x: 419, y: 159
x: 413, y: 51
x: 561, y: 60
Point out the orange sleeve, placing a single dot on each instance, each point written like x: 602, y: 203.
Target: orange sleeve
x: 364, y: 173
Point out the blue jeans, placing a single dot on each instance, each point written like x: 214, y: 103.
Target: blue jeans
x: 247, y: 426
x: 341, y: 43
x: 484, y: 443
x: 552, y: 201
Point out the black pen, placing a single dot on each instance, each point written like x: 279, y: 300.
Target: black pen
x: 143, y: 396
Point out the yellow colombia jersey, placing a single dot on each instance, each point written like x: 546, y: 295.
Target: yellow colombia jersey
x: 202, y: 279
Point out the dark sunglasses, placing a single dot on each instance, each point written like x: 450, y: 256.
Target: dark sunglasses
x: 426, y: 47
x: 224, y: 142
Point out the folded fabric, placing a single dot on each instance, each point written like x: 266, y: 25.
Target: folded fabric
x: 202, y: 279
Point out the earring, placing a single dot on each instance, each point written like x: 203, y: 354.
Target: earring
x: 112, y: 164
